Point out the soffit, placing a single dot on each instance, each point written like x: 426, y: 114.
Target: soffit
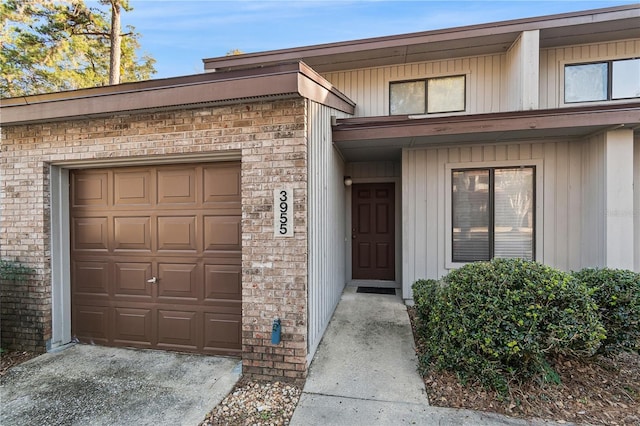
x: 600, y: 25
x: 378, y: 138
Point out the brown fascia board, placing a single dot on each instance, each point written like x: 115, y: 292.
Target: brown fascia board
x: 497, y: 29
x: 315, y: 87
x: 354, y: 129
x: 173, y: 93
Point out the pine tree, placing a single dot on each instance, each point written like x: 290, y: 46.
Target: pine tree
x: 48, y: 46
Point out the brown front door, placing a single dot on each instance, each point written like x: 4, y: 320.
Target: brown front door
x: 373, y: 231
x: 156, y: 257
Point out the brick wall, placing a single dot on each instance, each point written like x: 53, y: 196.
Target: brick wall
x: 272, y: 139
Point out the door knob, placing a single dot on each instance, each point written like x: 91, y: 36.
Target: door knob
x: 153, y: 280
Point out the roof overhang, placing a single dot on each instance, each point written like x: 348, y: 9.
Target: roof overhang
x: 599, y: 25
x: 383, y: 138
x: 274, y: 82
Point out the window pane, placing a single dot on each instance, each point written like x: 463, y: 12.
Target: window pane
x: 407, y: 98
x: 583, y: 83
x: 445, y: 94
x: 513, y: 207
x: 470, y: 210
x: 626, y: 79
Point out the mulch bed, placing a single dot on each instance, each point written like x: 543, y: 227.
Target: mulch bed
x: 10, y: 358
x: 602, y: 391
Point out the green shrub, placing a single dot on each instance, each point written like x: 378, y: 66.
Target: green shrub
x: 617, y: 294
x: 496, y: 321
x: 424, y: 293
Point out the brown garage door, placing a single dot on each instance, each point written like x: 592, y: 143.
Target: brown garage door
x: 156, y: 257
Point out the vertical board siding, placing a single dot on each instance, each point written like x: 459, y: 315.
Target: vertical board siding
x: 513, y: 74
x: 492, y: 79
x: 571, y: 187
x: 593, y: 179
x: 326, y: 223
x: 553, y: 60
x: 369, y: 87
x: 636, y: 202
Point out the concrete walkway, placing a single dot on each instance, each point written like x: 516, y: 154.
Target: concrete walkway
x: 365, y: 372
x: 91, y: 385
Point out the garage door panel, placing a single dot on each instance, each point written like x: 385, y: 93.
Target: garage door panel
x: 221, y: 184
x: 177, y: 186
x: 90, y: 277
x: 90, y: 324
x: 225, y: 258
x: 221, y: 306
x: 177, y: 329
x: 178, y: 280
x: 223, y: 282
x: 90, y: 189
x: 132, y: 279
x: 222, y: 331
x: 132, y: 326
x: 177, y: 233
x: 132, y: 188
x: 90, y: 233
x: 178, y: 223
x: 222, y: 233
x: 132, y: 233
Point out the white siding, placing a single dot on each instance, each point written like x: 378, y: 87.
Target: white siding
x: 636, y: 202
x: 560, y: 224
x: 594, y: 202
x: 495, y: 83
x: 522, y: 67
x: 552, y: 62
x: 326, y: 223
x: 619, y: 198
x: 610, y: 206
x: 369, y: 87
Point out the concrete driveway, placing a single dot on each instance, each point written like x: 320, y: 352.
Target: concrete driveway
x: 91, y: 385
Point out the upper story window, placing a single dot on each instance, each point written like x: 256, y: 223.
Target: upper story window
x: 602, y: 81
x: 431, y: 96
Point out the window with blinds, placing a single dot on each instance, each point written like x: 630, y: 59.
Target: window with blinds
x: 493, y: 213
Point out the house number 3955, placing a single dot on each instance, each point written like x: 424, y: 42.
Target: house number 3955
x: 283, y: 212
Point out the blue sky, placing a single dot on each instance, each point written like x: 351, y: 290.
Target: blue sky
x: 179, y: 34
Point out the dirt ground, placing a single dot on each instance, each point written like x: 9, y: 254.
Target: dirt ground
x: 603, y: 391
x: 10, y: 358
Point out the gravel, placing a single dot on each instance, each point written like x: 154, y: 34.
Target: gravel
x: 256, y: 403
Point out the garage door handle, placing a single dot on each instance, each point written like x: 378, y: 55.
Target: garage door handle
x: 153, y: 280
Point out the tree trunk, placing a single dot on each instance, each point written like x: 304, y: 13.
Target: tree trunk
x: 116, y: 39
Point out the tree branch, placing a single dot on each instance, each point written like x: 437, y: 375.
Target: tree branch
x: 98, y: 33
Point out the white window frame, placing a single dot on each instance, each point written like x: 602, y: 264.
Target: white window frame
x: 539, y: 197
x: 587, y: 61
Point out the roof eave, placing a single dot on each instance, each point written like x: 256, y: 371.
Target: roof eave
x: 317, y: 55
x: 288, y: 80
x: 355, y: 129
